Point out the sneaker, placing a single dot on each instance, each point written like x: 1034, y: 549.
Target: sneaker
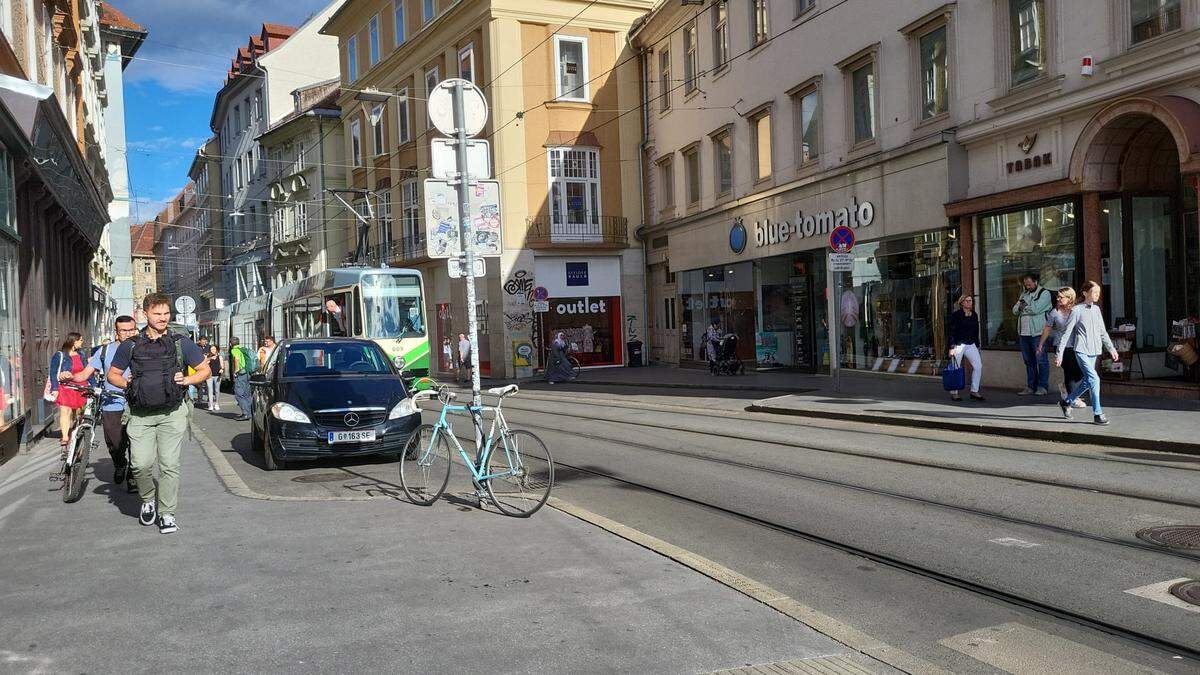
x: 166, y: 524
x: 148, y: 512
x: 1041, y: 391
x: 1025, y: 392
x: 120, y: 474
x: 976, y: 397
x: 1079, y: 403
x: 241, y: 418
x: 1066, y: 409
x: 1100, y: 419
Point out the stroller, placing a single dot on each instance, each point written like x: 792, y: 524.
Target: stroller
x: 727, y: 362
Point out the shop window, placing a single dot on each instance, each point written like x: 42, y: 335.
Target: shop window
x: 352, y: 58
x: 590, y: 325
x: 691, y: 162
x: 373, y: 40
x: 11, y: 403
x: 1151, y: 18
x: 402, y: 123
x: 723, y: 294
x: 720, y: 34
x: 1039, y: 240
x: 760, y: 130
x: 691, y: 64
x: 1027, y: 39
x: 862, y: 89
x: 760, y: 24
x: 808, y: 125
x: 723, y: 162
x: 664, y: 79
x: 935, y: 77
x: 893, y: 316
x: 791, y: 311
x: 571, y: 57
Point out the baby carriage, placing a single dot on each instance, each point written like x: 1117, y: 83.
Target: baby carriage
x: 726, y: 361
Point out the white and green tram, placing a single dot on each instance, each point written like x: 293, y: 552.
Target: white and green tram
x: 386, y: 305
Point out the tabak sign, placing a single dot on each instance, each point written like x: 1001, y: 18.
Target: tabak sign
x: 767, y: 232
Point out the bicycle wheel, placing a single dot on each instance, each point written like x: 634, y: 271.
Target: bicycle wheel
x: 527, y: 459
x: 425, y: 465
x: 574, y: 368
x: 74, y: 487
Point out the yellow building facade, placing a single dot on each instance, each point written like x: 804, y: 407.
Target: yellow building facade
x: 562, y: 87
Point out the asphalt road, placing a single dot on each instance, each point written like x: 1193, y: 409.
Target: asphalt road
x: 863, y: 523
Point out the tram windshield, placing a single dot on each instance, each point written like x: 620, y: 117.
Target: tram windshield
x: 392, y: 304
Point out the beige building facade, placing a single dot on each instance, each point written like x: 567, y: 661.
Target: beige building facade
x: 555, y: 79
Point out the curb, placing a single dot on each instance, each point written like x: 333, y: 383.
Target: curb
x: 821, y: 623
x: 1125, y: 442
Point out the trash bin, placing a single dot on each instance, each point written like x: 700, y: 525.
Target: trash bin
x: 634, y: 347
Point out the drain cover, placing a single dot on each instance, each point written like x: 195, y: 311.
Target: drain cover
x: 1187, y: 591
x: 320, y: 478
x: 1172, y: 536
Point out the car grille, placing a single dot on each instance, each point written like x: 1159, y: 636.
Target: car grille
x: 337, y: 420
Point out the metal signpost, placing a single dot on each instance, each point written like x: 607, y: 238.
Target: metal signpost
x: 458, y: 110
x: 841, y: 259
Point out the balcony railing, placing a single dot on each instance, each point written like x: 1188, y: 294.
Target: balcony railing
x: 601, y: 231
x: 405, y: 249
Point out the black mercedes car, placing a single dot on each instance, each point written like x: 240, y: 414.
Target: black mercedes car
x: 329, y: 397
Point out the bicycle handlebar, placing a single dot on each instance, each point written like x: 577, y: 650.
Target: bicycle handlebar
x: 86, y: 390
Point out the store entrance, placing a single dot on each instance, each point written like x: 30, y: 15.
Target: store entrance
x: 791, y: 332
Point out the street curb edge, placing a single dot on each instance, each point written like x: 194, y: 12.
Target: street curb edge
x: 784, y: 604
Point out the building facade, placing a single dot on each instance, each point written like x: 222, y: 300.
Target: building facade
x: 305, y: 151
x: 172, y: 251
x: 1056, y: 144
x: 555, y: 78
x: 205, y: 174
x: 145, y: 265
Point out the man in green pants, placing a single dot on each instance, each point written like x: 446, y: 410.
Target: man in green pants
x: 155, y: 391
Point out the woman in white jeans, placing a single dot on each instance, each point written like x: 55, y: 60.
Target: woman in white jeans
x: 215, y: 364
x: 964, y: 342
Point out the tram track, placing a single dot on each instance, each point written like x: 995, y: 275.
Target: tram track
x: 916, y: 568
x: 887, y: 458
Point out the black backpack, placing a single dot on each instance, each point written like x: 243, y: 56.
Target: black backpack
x: 154, y: 364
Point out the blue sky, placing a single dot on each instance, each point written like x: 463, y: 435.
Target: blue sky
x: 170, y: 84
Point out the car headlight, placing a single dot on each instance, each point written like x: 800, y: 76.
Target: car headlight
x: 404, y: 408
x: 289, y: 413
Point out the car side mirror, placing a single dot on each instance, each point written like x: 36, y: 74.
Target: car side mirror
x: 258, y: 378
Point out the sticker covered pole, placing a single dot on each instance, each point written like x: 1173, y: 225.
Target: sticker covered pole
x: 466, y: 239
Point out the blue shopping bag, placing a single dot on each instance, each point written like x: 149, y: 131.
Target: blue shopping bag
x: 954, y: 377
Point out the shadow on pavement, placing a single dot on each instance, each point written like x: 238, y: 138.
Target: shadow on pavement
x: 1156, y: 457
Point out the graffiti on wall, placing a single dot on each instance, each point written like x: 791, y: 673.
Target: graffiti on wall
x: 520, y: 286
x: 631, y: 327
x: 517, y: 320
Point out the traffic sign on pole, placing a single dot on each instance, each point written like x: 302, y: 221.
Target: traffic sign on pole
x: 185, y: 304
x: 443, y: 159
x: 842, y: 239
x: 442, y: 228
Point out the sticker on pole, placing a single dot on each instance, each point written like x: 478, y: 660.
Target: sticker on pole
x: 457, y: 268
x: 841, y: 239
x: 441, y: 107
x: 441, y: 218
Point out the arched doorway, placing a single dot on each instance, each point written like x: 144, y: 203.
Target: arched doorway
x: 1137, y: 162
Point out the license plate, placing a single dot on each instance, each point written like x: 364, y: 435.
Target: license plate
x: 351, y: 436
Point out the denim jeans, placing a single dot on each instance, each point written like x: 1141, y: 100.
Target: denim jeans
x: 1037, y: 367
x: 1091, y: 380
x: 241, y: 391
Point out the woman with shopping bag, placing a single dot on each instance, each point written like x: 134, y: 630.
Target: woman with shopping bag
x: 964, y: 344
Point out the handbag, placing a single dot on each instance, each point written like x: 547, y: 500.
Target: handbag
x: 954, y: 376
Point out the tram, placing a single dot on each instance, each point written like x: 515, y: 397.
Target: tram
x: 385, y: 305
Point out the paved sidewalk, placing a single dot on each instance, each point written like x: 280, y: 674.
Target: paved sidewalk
x: 380, y: 585
x: 1137, y: 422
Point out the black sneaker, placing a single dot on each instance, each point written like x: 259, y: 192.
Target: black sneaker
x: 120, y: 474
x: 976, y: 397
x: 1066, y: 409
x: 166, y: 524
x: 1100, y: 419
x: 146, y: 517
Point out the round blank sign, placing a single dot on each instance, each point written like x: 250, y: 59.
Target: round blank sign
x: 441, y: 107
x: 185, y: 304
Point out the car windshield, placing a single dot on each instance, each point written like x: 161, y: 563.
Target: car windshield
x: 314, y: 359
x: 393, y: 306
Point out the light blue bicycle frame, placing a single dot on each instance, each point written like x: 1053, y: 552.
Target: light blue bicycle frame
x: 477, y: 467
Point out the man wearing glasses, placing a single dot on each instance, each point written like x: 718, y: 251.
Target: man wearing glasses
x: 112, y: 405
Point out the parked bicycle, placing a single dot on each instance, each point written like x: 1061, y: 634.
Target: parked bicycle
x: 513, y: 466
x: 80, y: 443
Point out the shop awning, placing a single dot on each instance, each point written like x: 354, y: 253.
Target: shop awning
x: 32, y: 124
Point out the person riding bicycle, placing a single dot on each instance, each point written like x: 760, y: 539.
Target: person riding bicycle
x: 112, y: 403
x: 155, y: 390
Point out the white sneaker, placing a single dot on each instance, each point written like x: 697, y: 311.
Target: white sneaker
x: 1078, y: 403
x: 1041, y: 391
x: 1025, y: 392
x: 146, y: 516
x: 166, y: 524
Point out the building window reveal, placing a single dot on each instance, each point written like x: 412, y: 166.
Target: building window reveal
x: 808, y: 119
x: 405, y: 133
x: 373, y: 40
x: 666, y: 172
x: 760, y: 28
x: 691, y: 66
x: 410, y: 214
x: 1151, y: 18
x: 863, y: 84
x: 352, y: 58
x: 378, y: 136
x: 575, y: 189
x: 934, y: 75
x: 691, y: 163
x: 356, y: 143
x: 664, y: 79
x: 1027, y: 19
x: 432, y: 77
x: 466, y: 62
x: 571, y: 56
x: 760, y: 127
x: 720, y: 34
x: 429, y: 10
x: 400, y: 27
x: 723, y: 162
